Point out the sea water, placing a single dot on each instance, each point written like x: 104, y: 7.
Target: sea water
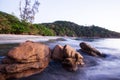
x: 107, y: 68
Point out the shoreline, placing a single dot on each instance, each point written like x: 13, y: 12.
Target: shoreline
x: 13, y: 38
x: 8, y: 41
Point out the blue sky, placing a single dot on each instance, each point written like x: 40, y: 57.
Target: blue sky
x: 103, y: 13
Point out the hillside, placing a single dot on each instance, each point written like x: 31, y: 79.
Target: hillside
x: 66, y: 28
x: 9, y: 24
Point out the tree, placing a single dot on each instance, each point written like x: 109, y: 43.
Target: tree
x: 28, y: 11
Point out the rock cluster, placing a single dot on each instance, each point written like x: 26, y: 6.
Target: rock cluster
x: 68, y: 56
x: 26, y: 59
x: 31, y: 58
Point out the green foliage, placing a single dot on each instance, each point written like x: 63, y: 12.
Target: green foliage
x: 19, y: 28
x: 4, y: 23
x: 61, y: 28
x: 44, y: 30
x: 64, y: 28
x: 11, y: 24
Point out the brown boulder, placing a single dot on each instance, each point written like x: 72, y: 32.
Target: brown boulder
x: 79, y: 58
x: 8, y: 60
x: 90, y: 50
x: 22, y: 70
x: 68, y: 56
x: 25, y: 73
x: 13, y: 68
x: 70, y: 64
x: 57, y: 53
x: 29, y: 52
x: 72, y: 59
x: 70, y: 52
x: 26, y: 59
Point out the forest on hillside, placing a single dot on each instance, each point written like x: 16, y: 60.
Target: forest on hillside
x: 10, y: 24
x: 65, y: 28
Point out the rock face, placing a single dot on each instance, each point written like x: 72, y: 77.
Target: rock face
x: 68, y: 56
x: 26, y: 59
x: 28, y: 52
x: 57, y: 53
x: 90, y: 50
x: 72, y: 59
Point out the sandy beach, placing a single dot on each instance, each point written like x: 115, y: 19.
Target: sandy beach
x: 11, y: 38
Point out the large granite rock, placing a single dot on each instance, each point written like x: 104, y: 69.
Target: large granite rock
x: 71, y: 52
x: 57, y: 53
x: 26, y: 59
x: 68, y: 56
x: 25, y: 73
x: 72, y: 59
x: 85, y: 47
x: 14, y: 68
x: 29, y: 51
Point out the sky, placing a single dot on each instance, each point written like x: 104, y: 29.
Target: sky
x: 103, y: 13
